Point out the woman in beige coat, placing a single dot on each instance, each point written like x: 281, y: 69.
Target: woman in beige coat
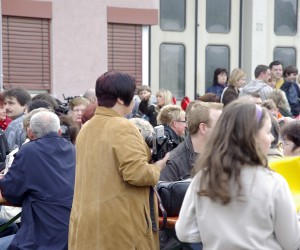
x: 111, y: 207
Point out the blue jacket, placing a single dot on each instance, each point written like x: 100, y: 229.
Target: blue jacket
x: 292, y: 92
x: 216, y: 89
x: 41, y: 180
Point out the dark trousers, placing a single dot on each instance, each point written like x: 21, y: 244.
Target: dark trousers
x: 169, y: 241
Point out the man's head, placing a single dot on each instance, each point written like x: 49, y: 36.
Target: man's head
x: 203, y: 116
x: 262, y: 72
x: 174, y: 117
x: 276, y: 69
x: 26, y: 121
x: 42, y: 123
x: 15, y: 101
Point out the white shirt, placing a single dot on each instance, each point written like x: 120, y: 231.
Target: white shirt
x: 264, y: 217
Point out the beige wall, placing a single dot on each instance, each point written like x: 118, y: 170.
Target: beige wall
x: 79, y: 42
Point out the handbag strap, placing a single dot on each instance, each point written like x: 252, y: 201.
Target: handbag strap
x: 8, y: 223
x: 161, y: 207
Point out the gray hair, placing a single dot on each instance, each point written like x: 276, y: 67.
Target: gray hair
x: 90, y: 94
x: 43, y: 123
x: 144, y: 126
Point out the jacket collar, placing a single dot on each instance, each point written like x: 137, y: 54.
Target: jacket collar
x: 106, y: 111
x: 49, y: 135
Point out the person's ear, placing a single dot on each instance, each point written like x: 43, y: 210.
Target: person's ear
x: 120, y: 101
x: 202, y: 128
x: 30, y: 134
x: 174, y: 124
x: 59, y: 132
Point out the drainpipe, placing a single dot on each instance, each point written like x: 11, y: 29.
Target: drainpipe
x: 196, y: 47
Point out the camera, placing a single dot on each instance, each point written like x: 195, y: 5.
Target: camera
x: 159, y: 143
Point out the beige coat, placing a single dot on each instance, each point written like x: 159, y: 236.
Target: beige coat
x: 113, y: 178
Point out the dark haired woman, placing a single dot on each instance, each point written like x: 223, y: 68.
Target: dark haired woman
x: 219, y: 83
x: 111, y: 208
x: 235, y: 201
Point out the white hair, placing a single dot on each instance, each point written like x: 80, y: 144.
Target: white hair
x: 43, y: 123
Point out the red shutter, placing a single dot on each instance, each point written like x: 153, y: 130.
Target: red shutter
x: 26, y: 53
x: 125, y: 49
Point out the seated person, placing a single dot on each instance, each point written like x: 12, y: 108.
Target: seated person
x: 8, y: 212
x: 41, y: 181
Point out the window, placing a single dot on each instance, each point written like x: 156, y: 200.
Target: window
x: 287, y: 56
x: 216, y: 56
x: 218, y: 16
x: 125, y: 49
x: 26, y: 53
x: 285, y: 17
x: 172, y: 15
x: 172, y: 69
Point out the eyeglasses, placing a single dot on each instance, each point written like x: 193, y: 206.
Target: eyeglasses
x: 182, y: 121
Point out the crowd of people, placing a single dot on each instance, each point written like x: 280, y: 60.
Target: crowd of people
x: 83, y: 177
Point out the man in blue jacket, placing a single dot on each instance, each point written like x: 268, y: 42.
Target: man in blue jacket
x: 41, y: 181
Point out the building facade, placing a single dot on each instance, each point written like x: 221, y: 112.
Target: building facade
x: 61, y: 47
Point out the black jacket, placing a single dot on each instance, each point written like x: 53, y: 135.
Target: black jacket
x: 181, y: 162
